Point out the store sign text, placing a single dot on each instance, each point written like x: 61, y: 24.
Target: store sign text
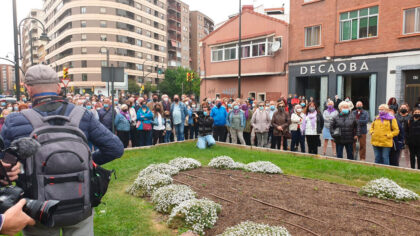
x: 331, y: 68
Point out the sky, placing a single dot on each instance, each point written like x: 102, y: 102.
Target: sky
x: 218, y: 10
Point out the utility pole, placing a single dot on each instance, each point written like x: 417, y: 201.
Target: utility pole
x: 240, y: 49
x: 17, y: 65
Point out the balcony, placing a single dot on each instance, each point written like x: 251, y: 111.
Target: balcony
x: 174, y: 28
x: 174, y: 17
x: 174, y: 7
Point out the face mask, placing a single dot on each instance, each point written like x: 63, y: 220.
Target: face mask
x: 98, y: 108
x: 205, y: 113
x: 15, y: 108
x: 24, y: 99
x: 236, y: 107
x: 186, y: 103
x: 299, y: 110
x: 345, y: 111
x: 359, y: 108
x: 229, y: 105
x: 116, y: 103
x: 302, y: 104
x: 154, y: 99
x: 94, y: 103
x: 403, y: 111
x: 330, y: 106
x: 143, y: 106
x: 219, y: 105
x: 106, y: 105
x: 303, y: 98
x: 383, y: 113
x: 10, y: 108
x: 272, y: 108
x: 209, y: 102
x: 3, y: 104
x: 125, y: 110
x: 311, y: 109
x: 261, y: 108
x: 347, y: 100
x: 194, y: 106
x: 296, y: 96
x: 176, y: 99
x: 417, y: 116
x: 165, y: 99
x: 158, y: 109
x: 89, y: 107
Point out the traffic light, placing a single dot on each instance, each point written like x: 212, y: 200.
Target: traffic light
x: 188, y: 77
x: 65, y: 72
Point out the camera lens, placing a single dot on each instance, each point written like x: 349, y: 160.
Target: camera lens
x: 41, y: 211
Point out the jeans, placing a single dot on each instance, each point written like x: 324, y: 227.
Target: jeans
x: 262, y: 139
x: 297, y: 138
x: 340, y: 150
x: 381, y: 155
x: 204, y: 141
x: 179, y: 130
x: 85, y: 228
x: 235, y: 134
x: 168, y: 136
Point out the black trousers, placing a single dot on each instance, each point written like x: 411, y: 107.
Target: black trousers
x: 394, y: 157
x: 124, y: 137
x: 276, y: 142
x: 157, y: 136
x: 414, y: 152
x: 186, y: 132
x: 312, y: 141
x: 247, y: 137
x: 134, y: 136
x: 219, y: 133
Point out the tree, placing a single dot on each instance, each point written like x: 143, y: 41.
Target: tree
x: 149, y: 88
x: 175, y: 82
x: 133, y: 87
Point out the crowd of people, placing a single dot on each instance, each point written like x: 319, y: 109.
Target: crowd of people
x: 291, y: 123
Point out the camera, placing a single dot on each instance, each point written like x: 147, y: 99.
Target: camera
x: 9, y: 195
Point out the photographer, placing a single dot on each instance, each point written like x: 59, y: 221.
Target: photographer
x: 14, y: 219
x: 54, y: 114
x: 205, y: 129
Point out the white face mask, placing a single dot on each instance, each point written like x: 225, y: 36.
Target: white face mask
x: 299, y: 110
x: 10, y: 108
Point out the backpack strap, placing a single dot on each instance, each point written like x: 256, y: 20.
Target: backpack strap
x: 34, y: 117
x: 76, y: 116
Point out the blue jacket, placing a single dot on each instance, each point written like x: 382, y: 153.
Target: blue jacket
x: 105, y: 117
x: 109, y: 146
x: 121, y: 123
x: 230, y: 115
x: 190, y: 117
x: 183, y: 108
x: 362, y: 121
x: 144, y: 117
x: 219, y: 116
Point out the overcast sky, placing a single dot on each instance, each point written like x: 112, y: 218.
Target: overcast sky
x: 218, y: 10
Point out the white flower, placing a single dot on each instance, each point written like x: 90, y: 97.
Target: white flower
x: 225, y: 162
x: 249, y: 228
x: 160, y: 168
x: 263, y: 167
x: 183, y: 163
x: 168, y: 197
x: 196, y: 214
x: 147, y: 184
x: 384, y: 188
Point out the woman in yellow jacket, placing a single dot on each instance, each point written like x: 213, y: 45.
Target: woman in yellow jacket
x: 383, y: 130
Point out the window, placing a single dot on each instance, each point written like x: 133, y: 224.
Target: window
x: 138, y: 18
x: 103, y: 37
x: 412, y: 20
x: 250, y: 48
x: 359, y: 24
x: 84, y: 50
x: 84, y: 37
x: 82, y: 10
x: 103, y: 63
x: 259, y: 48
x: 313, y: 36
x: 148, y: 33
x: 103, y: 50
x: 140, y: 55
x: 230, y: 52
x: 83, y: 23
x: 139, y: 66
x: 149, y: 45
x: 84, y: 77
x: 139, y: 42
x: 138, y: 30
x: 217, y: 54
x: 102, y: 10
x: 148, y: 57
x: 103, y: 23
x: 84, y: 64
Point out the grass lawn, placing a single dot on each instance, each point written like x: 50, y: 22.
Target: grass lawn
x: 125, y: 215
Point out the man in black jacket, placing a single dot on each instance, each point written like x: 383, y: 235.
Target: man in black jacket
x: 205, y: 129
x: 413, y: 138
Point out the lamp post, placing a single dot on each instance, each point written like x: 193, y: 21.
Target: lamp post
x: 240, y: 49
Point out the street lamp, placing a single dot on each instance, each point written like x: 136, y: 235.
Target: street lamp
x: 240, y: 49
x: 107, y: 61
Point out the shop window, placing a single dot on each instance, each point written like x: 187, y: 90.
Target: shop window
x: 313, y: 36
x: 359, y: 24
x: 412, y: 20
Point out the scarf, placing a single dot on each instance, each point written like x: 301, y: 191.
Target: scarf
x: 331, y: 110
x: 312, y: 117
x: 125, y: 114
x: 236, y: 111
x: 386, y: 116
x: 245, y: 109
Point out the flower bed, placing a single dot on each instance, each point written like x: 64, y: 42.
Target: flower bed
x: 162, y: 168
x: 384, y: 188
x: 170, y: 196
x: 225, y: 162
x: 196, y: 214
x: 249, y: 228
x: 145, y: 185
x: 263, y: 167
x: 183, y: 163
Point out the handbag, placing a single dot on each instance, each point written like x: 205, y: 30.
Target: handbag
x: 99, y: 183
x: 147, y: 127
x: 336, y: 133
x: 287, y: 135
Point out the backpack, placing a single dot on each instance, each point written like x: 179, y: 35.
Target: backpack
x: 62, y: 167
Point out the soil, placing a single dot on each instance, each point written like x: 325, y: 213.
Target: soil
x: 303, y: 206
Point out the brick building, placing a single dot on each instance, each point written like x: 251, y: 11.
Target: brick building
x: 200, y: 26
x: 367, y: 50
x: 263, y: 70
x: 178, y: 34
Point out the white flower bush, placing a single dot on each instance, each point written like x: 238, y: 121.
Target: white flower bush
x: 170, y: 196
x: 196, y: 214
x: 249, y: 228
x: 183, y: 163
x: 384, y: 188
x: 162, y: 168
x: 263, y: 167
x: 224, y: 162
x: 145, y: 185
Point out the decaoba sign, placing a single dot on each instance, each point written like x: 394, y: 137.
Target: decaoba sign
x: 340, y: 67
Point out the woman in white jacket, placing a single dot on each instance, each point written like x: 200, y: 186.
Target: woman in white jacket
x: 296, y: 122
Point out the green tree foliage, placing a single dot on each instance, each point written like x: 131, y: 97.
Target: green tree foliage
x: 149, y: 88
x: 174, y: 78
x: 133, y: 87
